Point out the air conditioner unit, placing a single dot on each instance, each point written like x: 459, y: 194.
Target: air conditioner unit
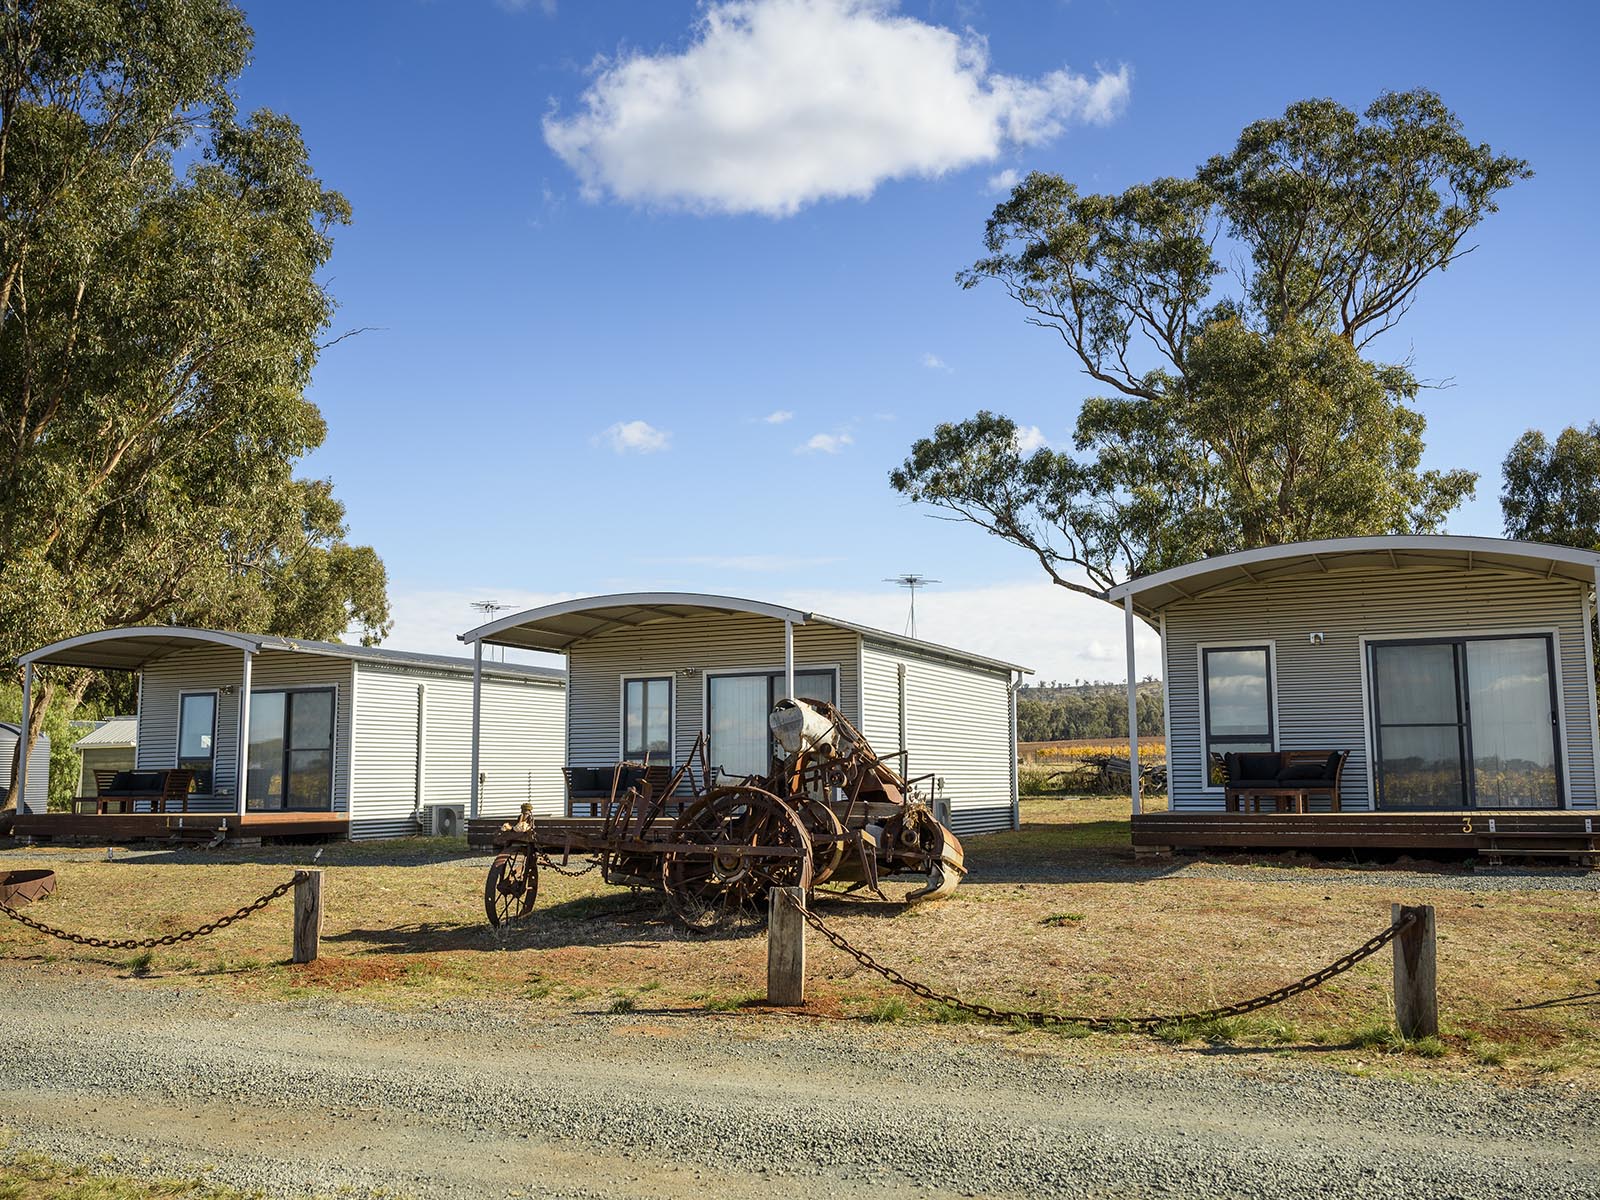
x: 447, y: 820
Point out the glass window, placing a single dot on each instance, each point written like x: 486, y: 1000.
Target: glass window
x: 197, y: 737
x: 1511, y: 700
x: 647, y: 720
x: 741, y: 740
x: 291, y: 750
x: 1238, y: 699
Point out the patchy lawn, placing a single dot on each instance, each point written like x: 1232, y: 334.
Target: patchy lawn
x: 1055, y: 916
x: 35, y: 1177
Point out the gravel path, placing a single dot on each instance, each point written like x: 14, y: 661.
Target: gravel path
x: 475, y: 1101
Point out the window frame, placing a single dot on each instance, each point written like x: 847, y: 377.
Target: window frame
x: 647, y: 677
x: 332, y: 691
x: 177, y: 735
x: 1269, y: 645
x: 775, y: 678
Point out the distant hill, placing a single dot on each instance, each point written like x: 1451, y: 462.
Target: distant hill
x: 1048, y: 712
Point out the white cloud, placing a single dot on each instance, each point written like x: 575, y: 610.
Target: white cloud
x: 634, y: 437
x: 825, y: 443
x: 778, y: 417
x: 1060, y: 634
x: 1030, y: 438
x: 776, y: 104
x: 934, y: 363
x: 1005, y: 180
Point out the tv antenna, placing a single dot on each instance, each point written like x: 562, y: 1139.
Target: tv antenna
x: 911, y: 582
x: 488, y: 608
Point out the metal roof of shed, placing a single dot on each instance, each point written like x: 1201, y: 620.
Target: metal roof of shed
x: 1154, y: 592
x: 556, y: 628
x: 116, y: 733
x: 133, y: 648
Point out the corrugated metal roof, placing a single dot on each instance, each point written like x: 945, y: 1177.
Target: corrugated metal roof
x: 115, y: 734
x: 1151, y: 593
x: 556, y: 627
x: 131, y: 648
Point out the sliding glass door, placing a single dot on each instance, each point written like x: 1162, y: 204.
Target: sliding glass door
x: 738, y: 707
x: 291, y: 750
x: 1466, y: 722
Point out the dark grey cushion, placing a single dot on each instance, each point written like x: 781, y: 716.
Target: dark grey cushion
x: 1305, y: 772
x: 586, y: 782
x: 1246, y: 770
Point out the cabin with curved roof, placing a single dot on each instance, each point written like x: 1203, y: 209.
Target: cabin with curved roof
x: 338, y: 739
x: 651, y: 672
x: 1456, y: 674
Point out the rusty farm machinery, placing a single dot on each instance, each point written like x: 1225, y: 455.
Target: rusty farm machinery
x: 830, y: 810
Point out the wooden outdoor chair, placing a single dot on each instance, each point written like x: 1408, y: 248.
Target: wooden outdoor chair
x: 104, y: 779
x: 175, y: 787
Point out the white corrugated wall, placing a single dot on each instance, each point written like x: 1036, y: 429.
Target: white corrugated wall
x: 1320, y: 690
x: 685, y: 650
x: 523, y: 746
x: 37, y: 799
x: 215, y: 667
x: 957, y: 724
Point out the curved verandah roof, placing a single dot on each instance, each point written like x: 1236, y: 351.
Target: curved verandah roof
x: 1154, y: 592
x: 555, y: 628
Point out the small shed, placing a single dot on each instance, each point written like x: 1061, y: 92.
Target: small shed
x: 109, y: 746
x: 339, y: 739
x: 36, y: 779
x: 1456, y: 673
x: 650, y: 672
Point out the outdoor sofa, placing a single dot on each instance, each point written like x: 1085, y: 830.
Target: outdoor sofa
x: 125, y: 791
x: 1291, y: 780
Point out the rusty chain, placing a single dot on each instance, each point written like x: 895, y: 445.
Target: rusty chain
x: 1149, y: 1021
x: 546, y: 861
x: 171, y: 939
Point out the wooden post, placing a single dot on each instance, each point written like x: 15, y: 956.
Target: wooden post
x: 786, y: 946
x: 1416, y: 995
x: 307, y: 915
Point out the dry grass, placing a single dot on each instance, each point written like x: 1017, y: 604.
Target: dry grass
x: 1041, y: 924
x: 35, y: 1177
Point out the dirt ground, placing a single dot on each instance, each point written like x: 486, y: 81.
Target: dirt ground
x: 1056, y: 916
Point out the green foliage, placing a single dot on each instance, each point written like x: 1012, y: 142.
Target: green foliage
x: 160, y: 305
x: 1552, y: 489
x: 1235, y: 418
x: 1089, y: 710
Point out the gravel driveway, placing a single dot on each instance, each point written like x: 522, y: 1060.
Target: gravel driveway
x: 473, y: 1101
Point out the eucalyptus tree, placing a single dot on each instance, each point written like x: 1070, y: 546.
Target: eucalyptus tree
x: 161, y: 303
x: 1237, y: 407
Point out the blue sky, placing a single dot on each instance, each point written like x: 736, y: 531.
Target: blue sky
x: 570, y: 358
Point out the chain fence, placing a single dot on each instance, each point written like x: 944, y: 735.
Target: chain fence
x: 150, y: 943
x: 1117, y: 1023
x: 549, y: 863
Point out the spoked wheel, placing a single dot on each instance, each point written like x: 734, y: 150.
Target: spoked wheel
x: 827, y: 836
x: 512, y: 885
x: 752, y: 842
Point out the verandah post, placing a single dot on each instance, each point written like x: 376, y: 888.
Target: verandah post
x: 1133, y: 706
x: 1416, y: 987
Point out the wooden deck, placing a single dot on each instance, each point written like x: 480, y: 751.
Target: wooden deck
x: 1495, y: 835
x: 108, y: 828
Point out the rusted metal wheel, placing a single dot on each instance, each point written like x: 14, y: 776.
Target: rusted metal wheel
x: 512, y: 885
x: 752, y: 841
x: 24, y: 887
x: 827, y: 836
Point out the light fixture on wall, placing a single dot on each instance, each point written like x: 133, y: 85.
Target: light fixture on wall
x: 1316, y: 639
x: 227, y: 689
